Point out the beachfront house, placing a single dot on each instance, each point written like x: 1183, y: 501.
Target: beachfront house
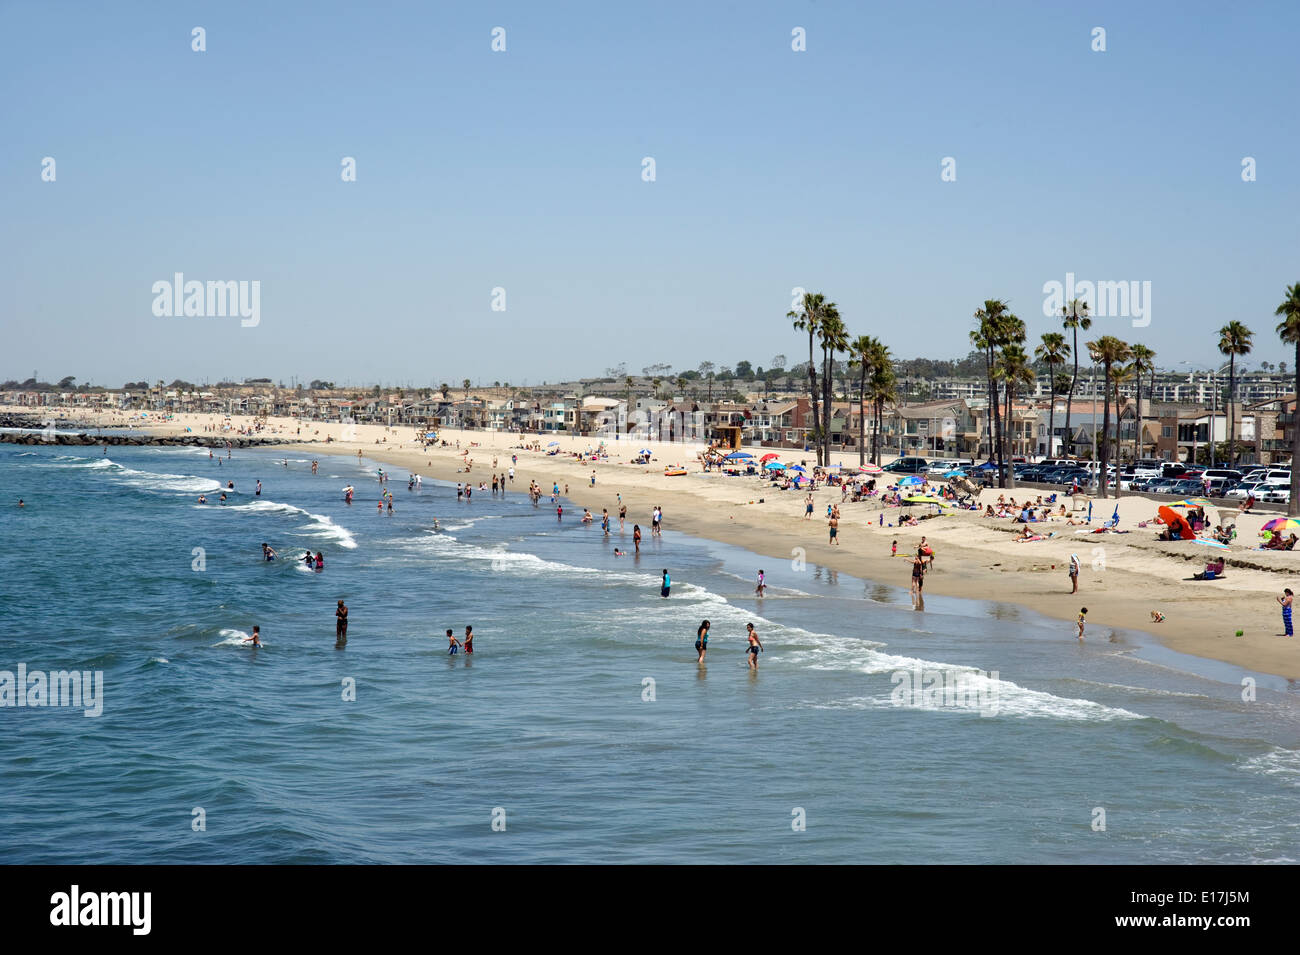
x: 948, y: 428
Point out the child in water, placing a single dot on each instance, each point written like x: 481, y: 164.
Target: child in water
x: 469, y: 639
x: 452, y: 643
x: 256, y: 638
x: 1082, y: 613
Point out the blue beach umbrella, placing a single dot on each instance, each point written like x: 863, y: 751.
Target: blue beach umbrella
x: 645, y: 451
x: 737, y: 456
x: 908, y: 481
x: 987, y: 466
x: 797, y: 467
x: 774, y: 466
x: 553, y: 444
x: 957, y: 473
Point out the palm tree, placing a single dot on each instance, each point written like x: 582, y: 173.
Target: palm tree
x: 861, y: 350
x: 987, y: 337
x: 883, y: 388
x: 1075, y: 317
x: 445, y: 389
x: 1052, y: 352
x: 1234, y: 340
x: 1289, y: 331
x: 1143, y: 361
x: 808, y: 318
x: 1012, y: 370
x: 1108, y: 351
x: 834, y: 337
x: 1120, y: 375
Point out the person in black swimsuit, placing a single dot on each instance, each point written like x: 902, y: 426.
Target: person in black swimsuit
x: 341, y: 623
x: 702, y: 641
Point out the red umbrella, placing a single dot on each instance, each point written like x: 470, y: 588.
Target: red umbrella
x: 768, y: 457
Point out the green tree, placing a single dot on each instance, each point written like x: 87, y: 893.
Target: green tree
x: 1107, y: 351
x: 1234, y: 340
x: 1144, y: 362
x: 834, y: 337
x: 1289, y: 331
x: 1074, y: 317
x: 808, y: 318
x: 1053, y: 352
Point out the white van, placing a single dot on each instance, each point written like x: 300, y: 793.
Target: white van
x: 1278, y: 477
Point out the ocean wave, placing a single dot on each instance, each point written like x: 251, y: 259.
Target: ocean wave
x: 1278, y: 762
x: 233, y: 638
x: 319, y: 525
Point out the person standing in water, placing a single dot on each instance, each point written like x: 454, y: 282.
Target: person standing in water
x: 761, y: 589
x: 755, y: 645
x: 341, y: 623
x: 256, y: 638
x: 452, y: 644
x: 702, y: 641
x: 636, y: 537
x: 667, y: 584
x: 469, y: 639
x: 1082, y: 614
x: 258, y: 492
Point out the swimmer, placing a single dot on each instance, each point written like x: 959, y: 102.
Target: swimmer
x: 258, y: 492
x: 469, y: 639
x: 256, y: 638
x: 452, y: 644
x: 308, y: 560
x: 268, y: 552
x: 755, y: 646
x: 320, y: 561
x: 619, y: 553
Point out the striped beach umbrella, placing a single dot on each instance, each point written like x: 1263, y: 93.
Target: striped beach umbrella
x: 1281, y: 524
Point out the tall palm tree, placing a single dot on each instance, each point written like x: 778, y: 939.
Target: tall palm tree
x: 1120, y: 375
x: 834, y: 337
x: 1052, y: 352
x: 1074, y: 317
x: 862, y: 351
x: 987, y: 337
x: 883, y: 388
x: 808, y: 318
x: 1013, y: 371
x: 1234, y: 340
x: 1289, y: 331
x: 1144, y: 360
x: 1107, y: 351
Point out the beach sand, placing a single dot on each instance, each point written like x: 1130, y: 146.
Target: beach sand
x: 1124, y: 576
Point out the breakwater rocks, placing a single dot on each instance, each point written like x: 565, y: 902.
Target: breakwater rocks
x: 116, y: 440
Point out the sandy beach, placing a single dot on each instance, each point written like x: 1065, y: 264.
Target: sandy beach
x: 1124, y: 576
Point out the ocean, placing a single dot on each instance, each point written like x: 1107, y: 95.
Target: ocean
x: 582, y: 728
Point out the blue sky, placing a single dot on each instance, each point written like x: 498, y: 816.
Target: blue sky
x: 522, y: 170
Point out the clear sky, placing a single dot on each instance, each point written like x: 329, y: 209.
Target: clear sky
x: 523, y: 170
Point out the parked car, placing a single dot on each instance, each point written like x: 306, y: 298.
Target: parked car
x: 1162, y: 485
x: 1218, y: 486
x: 1187, y: 487
x: 907, y: 465
x: 1275, y: 494
x: 1244, y: 489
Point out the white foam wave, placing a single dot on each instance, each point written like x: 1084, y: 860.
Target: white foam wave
x: 234, y: 638
x: 1281, y: 763
x: 319, y: 525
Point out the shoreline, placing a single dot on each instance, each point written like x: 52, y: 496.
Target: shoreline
x: 1123, y: 577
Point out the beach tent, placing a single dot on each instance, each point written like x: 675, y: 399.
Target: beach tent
x: 1177, y: 523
